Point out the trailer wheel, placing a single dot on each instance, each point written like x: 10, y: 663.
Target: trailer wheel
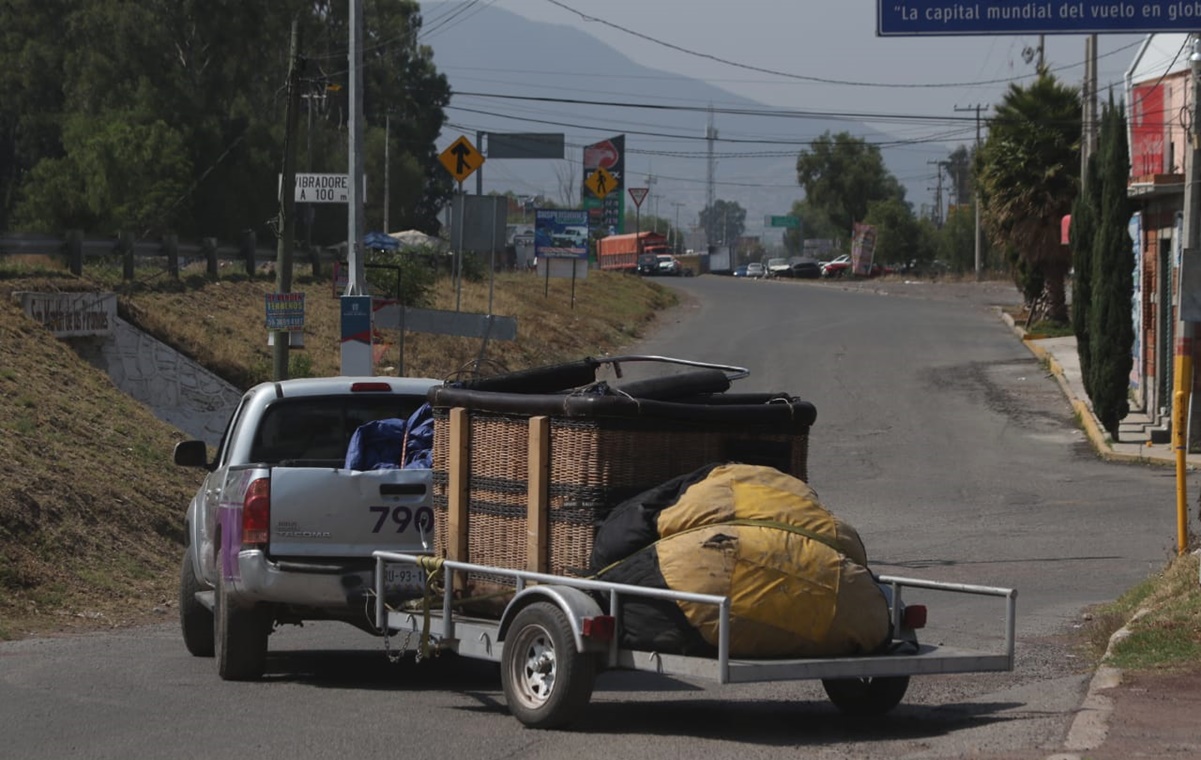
x: 866, y: 697
x: 547, y: 682
x: 240, y: 636
x: 195, y: 620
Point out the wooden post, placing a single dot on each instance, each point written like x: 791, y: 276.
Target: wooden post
x: 538, y: 496
x: 171, y: 248
x: 125, y: 243
x: 249, y: 243
x: 75, y: 252
x: 209, y: 246
x: 458, y: 489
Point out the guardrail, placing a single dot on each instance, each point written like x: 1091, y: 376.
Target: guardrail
x: 77, y: 249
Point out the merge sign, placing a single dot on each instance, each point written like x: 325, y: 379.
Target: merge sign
x: 1014, y: 17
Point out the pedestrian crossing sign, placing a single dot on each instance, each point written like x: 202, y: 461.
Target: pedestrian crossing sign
x: 601, y: 182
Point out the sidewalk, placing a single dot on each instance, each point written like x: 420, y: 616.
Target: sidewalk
x: 1123, y: 715
x: 1135, y: 432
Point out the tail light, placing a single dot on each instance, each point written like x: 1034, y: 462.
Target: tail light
x: 914, y: 617
x: 599, y: 627
x: 256, y: 513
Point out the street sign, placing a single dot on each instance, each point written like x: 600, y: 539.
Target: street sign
x: 461, y: 159
x: 639, y: 194
x: 525, y: 145
x: 601, y: 182
x: 789, y: 221
x: 941, y: 18
x: 322, y: 188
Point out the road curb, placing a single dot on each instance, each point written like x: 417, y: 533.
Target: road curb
x: 1084, y: 413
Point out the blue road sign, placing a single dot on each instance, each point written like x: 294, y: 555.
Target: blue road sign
x: 943, y: 17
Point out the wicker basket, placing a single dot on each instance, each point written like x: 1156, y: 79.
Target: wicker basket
x: 600, y: 451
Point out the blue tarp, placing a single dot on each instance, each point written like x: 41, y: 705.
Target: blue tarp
x: 380, y: 241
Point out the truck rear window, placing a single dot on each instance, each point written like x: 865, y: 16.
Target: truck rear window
x: 318, y: 428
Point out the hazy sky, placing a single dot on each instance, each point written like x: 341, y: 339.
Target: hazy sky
x: 825, y: 39
x: 827, y: 58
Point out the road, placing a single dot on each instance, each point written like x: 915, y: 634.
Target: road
x: 938, y: 436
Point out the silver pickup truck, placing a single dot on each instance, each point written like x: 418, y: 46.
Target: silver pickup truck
x: 281, y: 531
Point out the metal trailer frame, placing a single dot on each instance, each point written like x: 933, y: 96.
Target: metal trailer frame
x: 484, y: 638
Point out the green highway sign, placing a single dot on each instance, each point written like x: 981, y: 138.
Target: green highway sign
x: 789, y: 221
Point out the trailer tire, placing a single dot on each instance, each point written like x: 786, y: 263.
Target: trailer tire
x: 240, y: 636
x: 195, y: 620
x: 547, y: 682
x: 866, y: 697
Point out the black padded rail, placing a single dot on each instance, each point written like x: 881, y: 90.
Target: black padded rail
x: 556, y: 377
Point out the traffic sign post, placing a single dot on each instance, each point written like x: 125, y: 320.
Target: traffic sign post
x: 639, y: 195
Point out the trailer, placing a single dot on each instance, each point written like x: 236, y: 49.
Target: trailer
x: 554, y: 636
x: 521, y: 482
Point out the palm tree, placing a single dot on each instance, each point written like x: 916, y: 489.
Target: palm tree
x: 1028, y: 172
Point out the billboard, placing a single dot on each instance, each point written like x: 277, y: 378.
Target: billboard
x: 561, y: 233
x: 1148, y: 127
x: 606, y: 214
x: 863, y: 249
x: 939, y: 17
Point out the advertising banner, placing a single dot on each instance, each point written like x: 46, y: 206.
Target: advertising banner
x: 606, y: 214
x: 72, y: 315
x: 285, y: 311
x: 1147, y: 128
x: 561, y: 233
x: 863, y: 249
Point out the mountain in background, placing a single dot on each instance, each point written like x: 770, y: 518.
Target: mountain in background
x: 491, y: 51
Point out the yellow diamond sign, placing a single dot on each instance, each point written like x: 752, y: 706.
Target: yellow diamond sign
x: 461, y: 159
x: 601, y: 182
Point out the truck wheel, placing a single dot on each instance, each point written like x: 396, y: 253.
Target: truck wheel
x: 195, y: 620
x: 240, y: 636
x: 866, y: 697
x: 547, y: 682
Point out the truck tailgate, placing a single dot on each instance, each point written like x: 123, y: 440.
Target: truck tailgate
x: 326, y: 512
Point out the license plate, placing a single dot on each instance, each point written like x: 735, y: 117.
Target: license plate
x: 404, y: 578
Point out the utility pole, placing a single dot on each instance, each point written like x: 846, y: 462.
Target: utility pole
x: 677, y: 204
x: 710, y: 180
x: 1183, y: 369
x: 976, y: 193
x: 387, y: 141
x: 287, y: 201
x: 1088, y: 95
x: 938, y: 217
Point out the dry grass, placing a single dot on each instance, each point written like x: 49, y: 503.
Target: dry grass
x: 91, y: 508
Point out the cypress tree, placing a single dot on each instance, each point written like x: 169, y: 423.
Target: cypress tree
x: 1082, y: 235
x: 1110, y: 330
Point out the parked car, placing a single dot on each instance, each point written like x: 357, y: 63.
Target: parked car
x: 777, y: 267
x: 648, y: 264
x: 740, y: 271
x: 803, y: 269
x: 755, y: 269
x: 837, y: 268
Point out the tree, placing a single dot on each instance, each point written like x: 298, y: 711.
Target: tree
x: 723, y: 222
x: 959, y: 167
x: 815, y: 223
x: 898, y: 235
x: 1112, y: 278
x: 842, y: 175
x: 1083, y: 237
x: 1027, y: 172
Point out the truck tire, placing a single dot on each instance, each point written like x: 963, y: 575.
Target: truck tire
x: 195, y: 620
x: 866, y: 697
x: 547, y: 682
x: 240, y: 636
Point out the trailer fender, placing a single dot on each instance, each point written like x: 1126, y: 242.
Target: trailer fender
x: 576, y: 605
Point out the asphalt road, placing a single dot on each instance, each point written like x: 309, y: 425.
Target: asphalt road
x: 938, y: 436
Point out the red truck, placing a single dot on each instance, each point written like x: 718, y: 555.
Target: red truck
x: 620, y: 252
